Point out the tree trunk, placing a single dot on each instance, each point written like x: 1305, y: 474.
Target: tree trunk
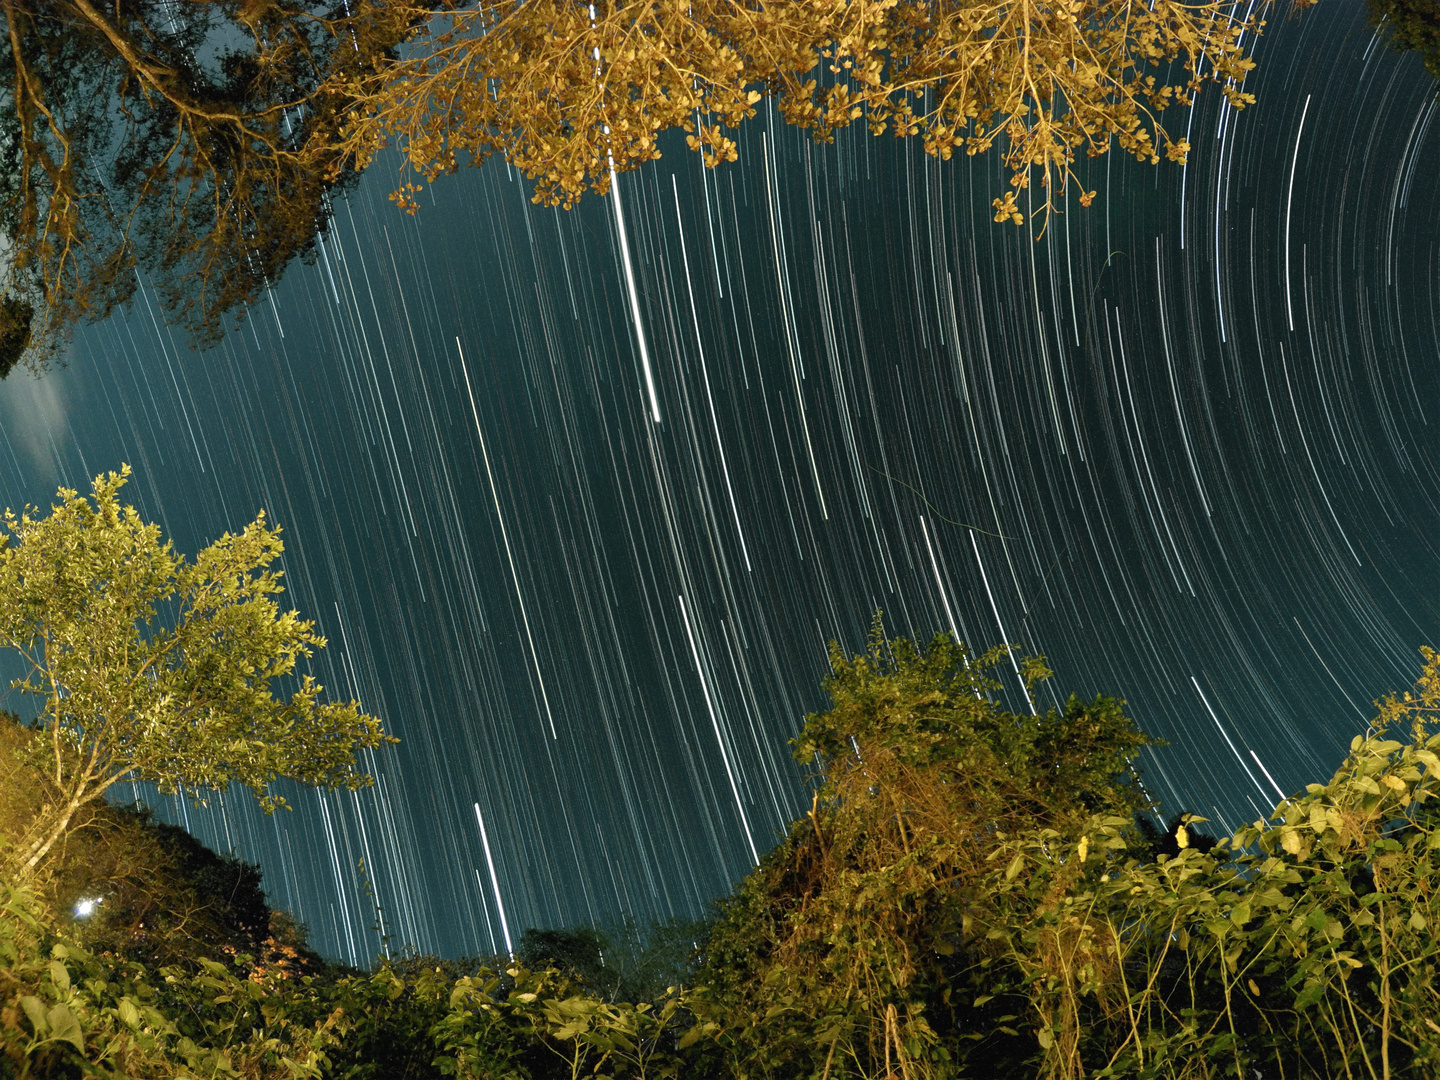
x: 40, y: 848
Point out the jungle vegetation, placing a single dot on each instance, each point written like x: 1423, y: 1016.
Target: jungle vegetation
x: 1410, y: 26
x: 972, y: 893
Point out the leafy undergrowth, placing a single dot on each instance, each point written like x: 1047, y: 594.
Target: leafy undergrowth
x: 969, y: 896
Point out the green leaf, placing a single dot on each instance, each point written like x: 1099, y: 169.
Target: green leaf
x: 1417, y: 920
x: 65, y: 1027
x: 1016, y: 865
x: 128, y: 1013
x: 1312, y: 993
x: 35, y: 1011
x: 59, y: 976
x: 696, y: 1032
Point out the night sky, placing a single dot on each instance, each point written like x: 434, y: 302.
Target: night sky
x: 1185, y: 447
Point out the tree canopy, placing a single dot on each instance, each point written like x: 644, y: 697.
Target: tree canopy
x: 177, y: 141
x: 572, y: 92
x: 970, y: 896
x: 198, y: 145
x: 866, y: 918
x: 151, y: 667
x: 965, y: 898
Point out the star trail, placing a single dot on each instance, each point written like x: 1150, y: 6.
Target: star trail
x: 578, y: 498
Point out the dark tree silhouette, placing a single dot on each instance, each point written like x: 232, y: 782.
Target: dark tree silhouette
x: 1412, y: 25
x: 163, y: 896
x: 174, y: 140
x: 15, y: 318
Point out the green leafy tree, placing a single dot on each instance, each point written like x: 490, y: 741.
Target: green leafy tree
x: 971, y: 895
x: 1303, y: 946
x: 1076, y: 946
x: 150, y: 667
x: 846, y: 953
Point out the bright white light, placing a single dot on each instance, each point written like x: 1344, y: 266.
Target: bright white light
x: 86, y: 906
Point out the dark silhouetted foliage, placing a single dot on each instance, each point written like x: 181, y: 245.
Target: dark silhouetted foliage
x: 16, y: 317
x: 173, y: 139
x: 1411, y: 25
x: 1167, y: 841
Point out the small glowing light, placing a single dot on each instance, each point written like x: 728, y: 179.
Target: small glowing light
x: 86, y: 907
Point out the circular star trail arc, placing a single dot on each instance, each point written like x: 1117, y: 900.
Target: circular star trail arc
x: 1184, y: 447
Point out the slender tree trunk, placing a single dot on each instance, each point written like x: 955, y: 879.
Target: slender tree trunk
x: 40, y: 848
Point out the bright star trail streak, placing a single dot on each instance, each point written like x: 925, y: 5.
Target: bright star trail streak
x: 494, y: 883
x: 1266, y: 771
x: 1221, y: 728
x: 604, y: 629
x: 1289, y: 198
x: 715, y: 722
x: 630, y: 291
x: 705, y: 375
x: 1015, y: 664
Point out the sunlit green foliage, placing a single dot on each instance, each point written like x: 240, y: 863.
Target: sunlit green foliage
x: 151, y: 667
x: 1070, y: 944
x: 1302, y: 947
x: 854, y: 948
x: 65, y: 1011
x: 968, y: 897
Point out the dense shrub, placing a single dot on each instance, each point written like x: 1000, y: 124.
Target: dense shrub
x: 967, y: 899
x: 66, y: 1012
x: 969, y: 895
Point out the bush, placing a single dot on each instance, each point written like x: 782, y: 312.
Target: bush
x: 69, y: 1013
x: 621, y: 962
x: 969, y: 895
